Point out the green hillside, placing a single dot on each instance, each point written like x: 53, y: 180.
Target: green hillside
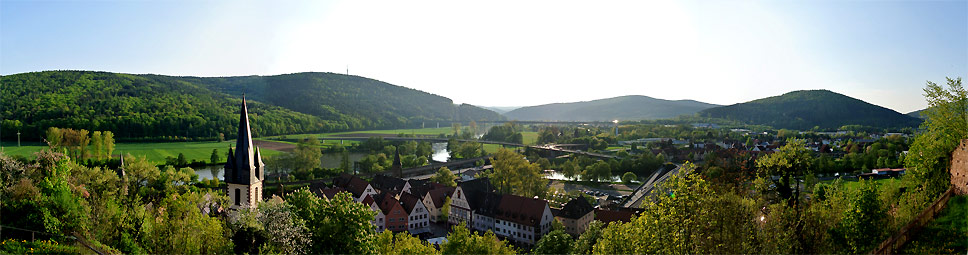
x: 806, y: 109
x: 620, y: 108
x: 157, y: 107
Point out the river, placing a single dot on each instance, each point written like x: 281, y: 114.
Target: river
x: 329, y: 160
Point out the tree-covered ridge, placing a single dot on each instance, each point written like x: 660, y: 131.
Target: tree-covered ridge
x: 621, y: 108
x: 807, y: 109
x: 173, y: 108
x: 133, y: 106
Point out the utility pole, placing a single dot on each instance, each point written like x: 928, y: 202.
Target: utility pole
x: 18, y: 138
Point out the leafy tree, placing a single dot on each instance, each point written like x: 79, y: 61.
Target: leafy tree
x: 401, y: 243
x: 338, y: 225
x: 587, y: 240
x: 599, y: 171
x: 945, y: 126
x: 570, y: 169
x: 444, y: 176
x: 629, y: 177
x: 165, y: 229
x: 861, y: 227
x: 790, y: 164
x: 271, y: 227
x: 686, y: 217
x: 460, y: 240
x: 424, y: 149
x: 445, y: 209
x: 554, y: 242
x: 215, y: 158
x: 513, y: 174
x: 307, y: 155
x: 98, y: 142
x: 108, y: 141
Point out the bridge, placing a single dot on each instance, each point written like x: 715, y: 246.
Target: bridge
x: 550, y: 147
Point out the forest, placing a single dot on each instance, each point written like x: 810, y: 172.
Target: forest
x: 167, y: 108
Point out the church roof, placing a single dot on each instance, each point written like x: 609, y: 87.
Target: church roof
x: 244, y: 165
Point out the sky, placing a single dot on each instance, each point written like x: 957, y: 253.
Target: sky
x: 514, y: 53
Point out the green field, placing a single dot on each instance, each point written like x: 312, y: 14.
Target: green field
x: 529, y: 137
x: 418, y: 131
x: 154, y: 152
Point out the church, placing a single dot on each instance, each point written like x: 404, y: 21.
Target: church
x: 244, y: 170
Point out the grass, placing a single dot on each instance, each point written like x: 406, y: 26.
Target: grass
x: 154, y: 152
x: 529, y: 137
x: 417, y: 131
x: 947, y: 234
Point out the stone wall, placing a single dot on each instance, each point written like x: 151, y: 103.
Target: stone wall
x: 959, y: 168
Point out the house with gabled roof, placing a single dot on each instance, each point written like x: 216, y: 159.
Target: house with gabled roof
x: 485, y: 215
x: 434, y: 201
x: 418, y: 220
x: 396, y: 215
x: 466, y: 197
x: 388, y: 183
x: 576, y: 215
x: 379, y: 219
x: 522, y: 219
x: 358, y: 187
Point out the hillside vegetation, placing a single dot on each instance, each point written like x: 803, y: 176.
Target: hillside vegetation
x: 157, y: 107
x: 807, y: 109
x: 620, y: 108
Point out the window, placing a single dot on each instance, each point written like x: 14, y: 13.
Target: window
x: 238, y: 197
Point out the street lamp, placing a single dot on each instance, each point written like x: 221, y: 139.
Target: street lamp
x: 18, y: 138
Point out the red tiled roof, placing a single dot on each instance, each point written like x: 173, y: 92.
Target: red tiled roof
x: 521, y: 210
x: 409, y: 201
x: 439, y: 196
x: 607, y: 216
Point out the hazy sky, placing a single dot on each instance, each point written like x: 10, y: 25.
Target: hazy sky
x: 512, y: 53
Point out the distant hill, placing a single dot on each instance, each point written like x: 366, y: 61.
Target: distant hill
x: 172, y: 108
x: 501, y: 109
x: 918, y: 114
x: 620, y: 108
x: 806, y: 109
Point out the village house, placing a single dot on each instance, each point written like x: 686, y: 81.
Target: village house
x: 379, y: 220
x: 434, y: 201
x: 418, y: 219
x: 576, y: 215
x: 396, y: 215
x: 358, y: 187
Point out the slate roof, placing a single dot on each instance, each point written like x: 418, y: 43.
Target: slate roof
x: 608, y: 216
x: 475, y: 189
x: 521, y: 210
x: 351, y: 183
x: 576, y: 208
x: 489, y: 205
x: 439, y: 196
x: 244, y: 165
x: 409, y: 202
x: 388, y: 183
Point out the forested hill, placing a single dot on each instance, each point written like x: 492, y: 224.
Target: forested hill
x: 807, y: 109
x: 173, y: 108
x: 620, y: 108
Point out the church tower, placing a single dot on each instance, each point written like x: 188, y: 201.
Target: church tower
x: 244, y: 170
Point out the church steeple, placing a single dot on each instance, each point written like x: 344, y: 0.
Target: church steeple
x: 244, y: 167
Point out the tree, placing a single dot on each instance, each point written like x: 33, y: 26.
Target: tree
x: 460, y: 240
x: 98, y: 142
x: 554, y: 242
x: 543, y: 163
x: 108, y: 141
x: 685, y: 217
x: 945, y: 126
x: 861, y: 227
x: 424, y: 149
x: 790, y: 164
x: 629, y: 177
x: 401, y: 243
x: 513, y: 174
x: 587, y: 240
x: 166, y: 233
x: 307, y: 155
x: 599, y: 171
x: 54, y: 136
x: 570, y: 169
x: 214, y: 158
x: 444, y: 176
x: 344, y: 161
x: 272, y: 227
x: 445, y: 209
x: 338, y: 225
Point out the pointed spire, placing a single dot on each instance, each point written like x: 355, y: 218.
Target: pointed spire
x: 245, y: 165
x: 397, y: 167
